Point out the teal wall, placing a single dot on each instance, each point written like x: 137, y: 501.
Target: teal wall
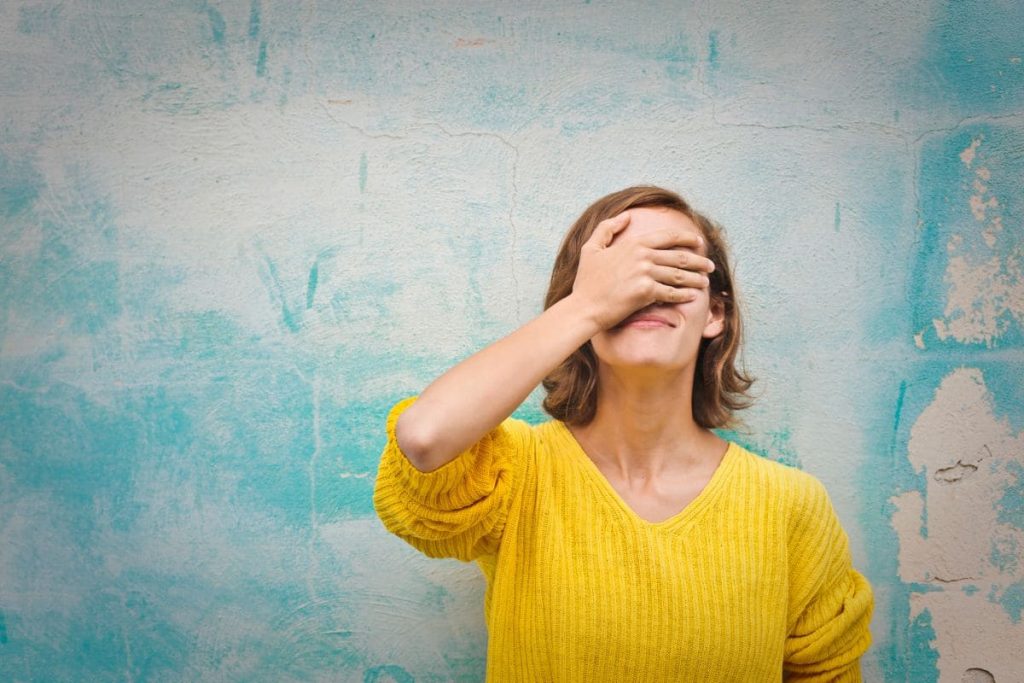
x: 233, y: 234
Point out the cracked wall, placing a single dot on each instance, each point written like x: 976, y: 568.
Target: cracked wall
x: 960, y: 537
x: 234, y: 233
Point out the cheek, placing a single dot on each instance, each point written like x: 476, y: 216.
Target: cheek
x: 699, y: 305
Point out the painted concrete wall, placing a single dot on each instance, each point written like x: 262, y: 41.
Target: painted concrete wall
x: 234, y: 233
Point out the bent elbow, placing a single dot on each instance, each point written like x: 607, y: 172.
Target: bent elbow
x: 413, y: 443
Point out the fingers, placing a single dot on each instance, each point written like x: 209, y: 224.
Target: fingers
x: 668, y: 293
x: 606, y: 230
x: 681, y: 258
x: 671, y: 237
x: 677, y: 277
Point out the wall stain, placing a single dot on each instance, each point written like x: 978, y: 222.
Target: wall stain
x: 254, y: 19
x: 311, y: 286
x: 386, y: 673
x: 1010, y: 505
x: 217, y: 25
x: 261, y: 59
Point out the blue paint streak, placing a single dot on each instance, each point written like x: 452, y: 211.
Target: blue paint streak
x: 879, y: 481
x: 898, y: 412
x: 291, y: 321
x: 836, y: 219
x: 924, y: 665
x: 923, y: 529
x: 1005, y: 554
x: 20, y: 184
x: 254, y: 19
x: 713, y: 49
x: 918, y: 587
x: 261, y: 59
x: 387, y: 672
x: 362, y: 172
x: 217, y: 26
x: 923, y: 487
x: 311, y: 287
x: 1010, y: 505
x: 1012, y: 600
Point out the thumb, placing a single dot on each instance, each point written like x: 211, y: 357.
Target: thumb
x: 608, y: 228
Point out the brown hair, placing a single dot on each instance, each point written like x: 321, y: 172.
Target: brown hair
x: 719, y: 388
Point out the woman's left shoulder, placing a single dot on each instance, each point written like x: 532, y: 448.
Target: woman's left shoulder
x: 790, y: 484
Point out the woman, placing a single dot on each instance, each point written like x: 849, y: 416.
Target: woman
x: 623, y: 540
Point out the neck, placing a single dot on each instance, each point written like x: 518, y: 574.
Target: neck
x: 644, y: 423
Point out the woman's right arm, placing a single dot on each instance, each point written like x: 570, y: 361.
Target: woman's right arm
x: 471, y: 398
x: 614, y: 279
x: 448, y: 477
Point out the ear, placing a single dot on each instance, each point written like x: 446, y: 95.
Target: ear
x: 715, y: 324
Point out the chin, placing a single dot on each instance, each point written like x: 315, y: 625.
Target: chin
x: 646, y: 348
x: 646, y: 357
x: 634, y: 351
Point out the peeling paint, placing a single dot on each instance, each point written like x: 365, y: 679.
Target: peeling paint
x: 969, y: 459
x: 980, y: 260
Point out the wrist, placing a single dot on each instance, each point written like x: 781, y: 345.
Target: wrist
x: 582, y: 315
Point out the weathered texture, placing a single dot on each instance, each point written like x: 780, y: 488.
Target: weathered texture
x: 234, y: 233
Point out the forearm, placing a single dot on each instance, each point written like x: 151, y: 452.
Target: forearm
x: 473, y: 397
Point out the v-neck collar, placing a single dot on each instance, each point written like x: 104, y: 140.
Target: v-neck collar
x: 684, y: 517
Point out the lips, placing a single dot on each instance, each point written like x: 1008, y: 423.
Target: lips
x: 646, y: 316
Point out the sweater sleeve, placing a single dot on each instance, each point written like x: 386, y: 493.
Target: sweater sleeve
x: 830, y: 602
x: 458, y: 510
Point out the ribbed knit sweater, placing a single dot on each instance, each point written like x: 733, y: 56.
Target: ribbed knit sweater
x: 752, y: 581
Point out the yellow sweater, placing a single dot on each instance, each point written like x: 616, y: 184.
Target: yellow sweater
x: 752, y: 581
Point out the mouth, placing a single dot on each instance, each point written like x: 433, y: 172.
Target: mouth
x: 647, y: 320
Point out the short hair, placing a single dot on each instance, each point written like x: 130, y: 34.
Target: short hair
x: 719, y: 387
